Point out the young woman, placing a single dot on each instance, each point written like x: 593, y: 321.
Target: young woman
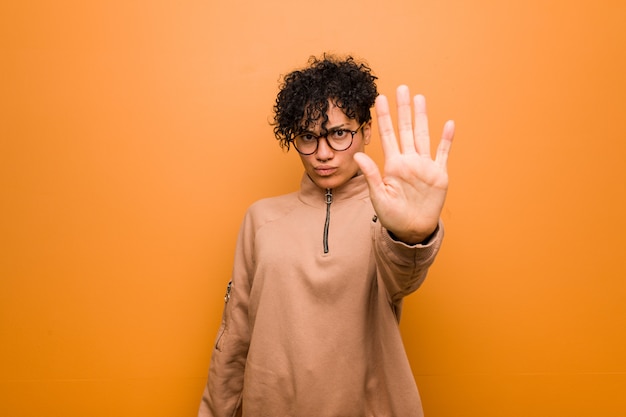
x: 310, y: 323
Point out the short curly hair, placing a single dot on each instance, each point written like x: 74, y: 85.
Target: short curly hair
x: 304, y: 95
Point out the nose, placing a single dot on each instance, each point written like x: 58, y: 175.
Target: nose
x: 324, y: 151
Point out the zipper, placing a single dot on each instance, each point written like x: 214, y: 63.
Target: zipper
x: 329, y: 200
x: 223, y: 327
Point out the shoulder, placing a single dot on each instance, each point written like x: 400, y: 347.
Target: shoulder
x: 269, y: 209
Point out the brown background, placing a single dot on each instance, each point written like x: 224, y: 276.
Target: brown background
x: 134, y: 134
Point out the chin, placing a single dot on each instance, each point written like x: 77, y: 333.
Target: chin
x: 328, y: 182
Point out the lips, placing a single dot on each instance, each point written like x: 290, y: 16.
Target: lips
x: 325, y: 170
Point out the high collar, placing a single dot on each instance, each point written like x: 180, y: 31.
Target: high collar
x: 311, y: 194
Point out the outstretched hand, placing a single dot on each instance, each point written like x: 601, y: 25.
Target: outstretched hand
x: 409, y: 195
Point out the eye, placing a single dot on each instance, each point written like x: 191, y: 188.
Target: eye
x: 307, y: 137
x: 339, y: 134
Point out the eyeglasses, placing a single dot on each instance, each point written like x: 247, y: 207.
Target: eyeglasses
x: 338, y: 139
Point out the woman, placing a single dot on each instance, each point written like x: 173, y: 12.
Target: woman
x: 310, y: 323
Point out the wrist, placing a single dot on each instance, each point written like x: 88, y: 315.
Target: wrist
x: 412, y: 239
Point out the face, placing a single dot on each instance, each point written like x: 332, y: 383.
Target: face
x: 329, y: 168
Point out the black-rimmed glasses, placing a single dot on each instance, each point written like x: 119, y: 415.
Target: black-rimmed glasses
x: 338, y: 139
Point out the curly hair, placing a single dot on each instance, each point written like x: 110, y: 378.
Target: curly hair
x: 304, y: 95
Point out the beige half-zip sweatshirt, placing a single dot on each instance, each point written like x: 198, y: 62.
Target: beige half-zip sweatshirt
x: 310, y: 323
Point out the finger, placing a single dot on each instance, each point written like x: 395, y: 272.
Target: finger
x: 443, y: 150
x: 385, y: 127
x: 405, y: 124
x: 422, y: 137
x: 370, y: 171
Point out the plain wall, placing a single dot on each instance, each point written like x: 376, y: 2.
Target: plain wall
x: 134, y: 134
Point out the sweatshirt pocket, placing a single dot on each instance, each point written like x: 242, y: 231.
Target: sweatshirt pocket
x: 223, y: 330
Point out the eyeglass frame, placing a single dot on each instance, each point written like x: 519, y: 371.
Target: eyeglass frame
x: 318, y: 137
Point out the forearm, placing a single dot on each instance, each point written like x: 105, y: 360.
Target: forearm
x: 403, y: 267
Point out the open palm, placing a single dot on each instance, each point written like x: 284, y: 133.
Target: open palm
x: 409, y: 195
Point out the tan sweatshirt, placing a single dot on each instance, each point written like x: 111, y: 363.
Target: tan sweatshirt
x: 310, y: 322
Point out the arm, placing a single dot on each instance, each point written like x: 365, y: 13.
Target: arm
x: 222, y: 395
x: 402, y: 267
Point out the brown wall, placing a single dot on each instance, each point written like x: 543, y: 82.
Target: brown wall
x: 134, y: 134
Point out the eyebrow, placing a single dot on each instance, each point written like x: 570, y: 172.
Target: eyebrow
x: 341, y: 126
x: 338, y: 127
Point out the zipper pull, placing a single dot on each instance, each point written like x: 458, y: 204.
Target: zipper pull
x: 227, y: 295
x: 329, y: 200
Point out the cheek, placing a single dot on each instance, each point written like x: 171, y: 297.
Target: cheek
x: 306, y: 161
x: 350, y: 156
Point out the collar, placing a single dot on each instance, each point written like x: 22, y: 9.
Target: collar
x: 312, y: 195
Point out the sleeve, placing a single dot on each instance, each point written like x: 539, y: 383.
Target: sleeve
x: 401, y: 267
x: 223, y: 393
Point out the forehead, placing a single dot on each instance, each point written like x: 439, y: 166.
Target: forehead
x: 335, y: 115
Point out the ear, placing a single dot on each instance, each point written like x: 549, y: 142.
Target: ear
x: 367, y: 132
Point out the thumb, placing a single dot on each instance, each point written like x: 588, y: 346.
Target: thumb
x: 369, y: 169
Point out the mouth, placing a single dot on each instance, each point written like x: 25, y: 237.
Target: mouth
x: 325, y: 170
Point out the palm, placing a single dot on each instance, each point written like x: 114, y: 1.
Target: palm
x: 409, y: 196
